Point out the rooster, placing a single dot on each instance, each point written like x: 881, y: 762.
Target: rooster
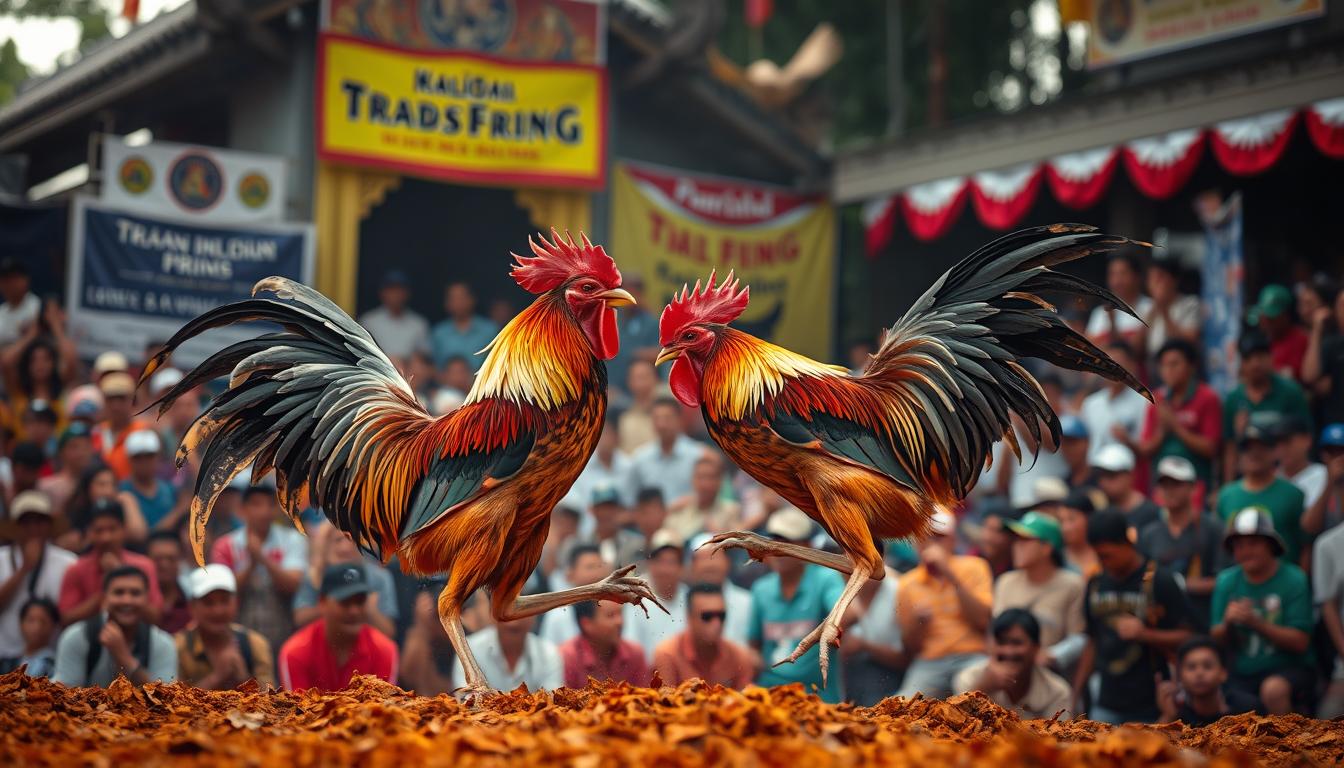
x: 468, y: 494
x: 871, y: 457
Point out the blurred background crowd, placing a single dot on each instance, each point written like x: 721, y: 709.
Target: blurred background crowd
x: 1176, y: 559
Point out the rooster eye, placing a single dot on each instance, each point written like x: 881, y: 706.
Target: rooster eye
x: 688, y: 337
x: 588, y: 287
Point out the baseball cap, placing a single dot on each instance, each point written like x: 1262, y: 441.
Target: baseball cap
x: 1333, y: 435
x: 1176, y: 468
x: 164, y: 379
x: 30, y: 503
x: 142, y: 441
x: 664, y: 538
x: 1081, y: 499
x: 1048, y: 490
x: 1114, y: 458
x: 942, y: 523
x: 1274, y: 301
x: 789, y: 523
x: 76, y: 429
x: 117, y: 384
x: 1252, y: 340
x: 342, y: 581
x: 1108, y: 526
x: 215, y: 576
x: 109, y: 362
x: 1254, y: 433
x: 395, y: 277
x: 605, y: 493
x: 1038, y: 525
x: 1072, y: 426
x: 1253, y: 521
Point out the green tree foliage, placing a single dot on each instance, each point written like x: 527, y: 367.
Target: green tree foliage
x: 12, y: 71
x: 92, y: 16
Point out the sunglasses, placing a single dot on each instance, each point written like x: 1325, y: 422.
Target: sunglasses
x: 708, y: 616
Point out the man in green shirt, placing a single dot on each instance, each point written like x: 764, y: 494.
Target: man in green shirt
x: 1262, y: 612
x: 1261, y: 487
x: 1263, y: 397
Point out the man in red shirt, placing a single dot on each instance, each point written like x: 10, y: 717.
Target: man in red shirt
x: 82, y: 587
x: 598, y: 651
x: 701, y: 650
x: 328, y: 652
x: 1186, y: 417
x: 1287, y: 341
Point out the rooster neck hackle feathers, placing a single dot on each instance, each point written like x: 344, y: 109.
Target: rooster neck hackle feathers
x: 540, y: 357
x: 560, y: 259
x: 744, y: 372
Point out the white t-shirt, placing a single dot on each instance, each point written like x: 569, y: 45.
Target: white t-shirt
x: 1099, y: 324
x: 55, y: 562
x: 1100, y: 412
x: 1184, y: 312
x: 14, y: 318
x: 397, y: 336
x: 1311, y: 481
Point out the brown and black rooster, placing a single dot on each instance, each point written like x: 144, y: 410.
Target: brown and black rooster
x: 468, y: 494
x: 871, y: 457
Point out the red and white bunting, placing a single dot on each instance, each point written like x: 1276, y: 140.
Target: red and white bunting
x: 932, y: 207
x: 1079, y: 179
x: 1002, y: 198
x: 1160, y: 165
x: 879, y: 224
x: 1325, y: 125
x: 1249, y: 146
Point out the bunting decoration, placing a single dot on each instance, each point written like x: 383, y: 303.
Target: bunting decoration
x: 1002, y: 198
x: 1249, y: 146
x: 932, y: 208
x: 1079, y: 179
x: 1160, y: 165
x: 1325, y: 126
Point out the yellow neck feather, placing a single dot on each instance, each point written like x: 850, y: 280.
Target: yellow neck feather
x: 540, y: 358
x: 745, y: 370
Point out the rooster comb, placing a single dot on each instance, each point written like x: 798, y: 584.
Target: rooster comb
x: 559, y: 259
x: 711, y: 304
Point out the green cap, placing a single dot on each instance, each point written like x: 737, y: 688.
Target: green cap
x: 1038, y: 525
x: 1274, y: 301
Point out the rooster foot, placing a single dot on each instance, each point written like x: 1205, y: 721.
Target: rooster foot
x: 755, y: 545
x: 474, y: 693
x: 621, y: 587
x: 826, y: 634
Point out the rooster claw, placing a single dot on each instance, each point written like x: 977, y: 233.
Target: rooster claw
x: 621, y: 587
x: 756, y: 546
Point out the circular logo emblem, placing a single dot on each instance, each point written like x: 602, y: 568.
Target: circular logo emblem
x: 254, y: 190
x: 135, y: 175
x: 485, y: 25
x: 195, y: 181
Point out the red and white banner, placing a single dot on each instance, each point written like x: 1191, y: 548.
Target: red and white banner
x: 879, y: 224
x: 1249, y: 146
x: 1079, y: 179
x: 1325, y: 125
x: 1002, y: 198
x: 1160, y: 165
x: 931, y: 208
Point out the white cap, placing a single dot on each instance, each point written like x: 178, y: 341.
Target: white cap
x: 142, y: 441
x: 942, y: 523
x: 1114, y: 458
x: 1177, y: 468
x: 662, y: 539
x: 789, y: 523
x: 108, y: 362
x: 164, y: 379
x: 1047, y: 490
x: 203, y: 581
x: 30, y: 503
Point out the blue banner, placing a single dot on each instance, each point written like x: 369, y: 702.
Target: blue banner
x: 1221, y: 291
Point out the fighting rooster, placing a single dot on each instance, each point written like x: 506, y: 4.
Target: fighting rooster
x: 468, y: 494
x: 871, y: 457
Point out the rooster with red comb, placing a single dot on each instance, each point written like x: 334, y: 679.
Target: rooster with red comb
x: 873, y: 456
x: 468, y: 494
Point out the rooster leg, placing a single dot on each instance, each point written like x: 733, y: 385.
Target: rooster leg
x: 759, y: 547
x: 829, y: 631
x: 451, y: 617
x: 618, y: 587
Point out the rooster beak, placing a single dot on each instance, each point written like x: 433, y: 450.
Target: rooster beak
x: 667, y: 354
x: 617, y: 297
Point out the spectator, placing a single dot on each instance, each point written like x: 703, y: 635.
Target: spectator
x: 1184, y: 540
x: 1273, y: 313
x: 109, y: 439
x: 1327, y: 580
x: 510, y: 656
x: 1136, y: 614
x: 707, y: 567
x: 786, y: 604
x: 1199, y: 696
x: 39, y: 621
x: 664, y: 572
x: 456, y: 376
x: 650, y: 514
x: 619, y: 546
x: 1323, y: 366
x: 598, y: 651
x: 328, y: 652
x: 1075, y: 448
x: 1296, y: 466
x: 427, y: 662
x: 994, y: 542
x: 501, y: 311
x: 97, y: 485
x: 1261, y: 487
x: 107, y: 363
x: 667, y: 462
x: 1079, y: 556
x: 701, y: 651
x: 333, y: 547
x: 38, y: 425
x: 26, y: 463
x: 1106, y: 325
x: 463, y: 333
x: 83, y: 590
x: 1262, y: 611
x: 586, y: 565
x: 1185, y: 418
x: 944, y: 611
x: 636, y: 421
x: 639, y: 331
x: 1262, y: 397
x: 1115, y: 413
x: 1115, y: 478
x: 74, y: 456
x: 165, y: 551
x: 704, y: 509
x: 268, y: 561
x: 399, y: 330
x: 21, y: 307
x: 1017, y: 477
x: 608, y: 466
x: 216, y: 653
x: 156, y: 498
x: 117, y: 640
x: 1313, y: 295
x: 37, y: 368
x: 872, y: 650
x: 1012, y: 676
x: 1172, y: 315
x: 31, y: 568
x: 1040, y: 584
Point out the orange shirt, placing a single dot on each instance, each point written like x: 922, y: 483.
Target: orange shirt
x: 948, y: 632
x: 112, y: 445
x: 675, y: 661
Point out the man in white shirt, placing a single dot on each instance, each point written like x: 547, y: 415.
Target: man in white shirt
x: 1124, y: 276
x: 663, y: 570
x: 398, y: 330
x: 1113, y: 414
x: 510, y: 656
x: 585, y: 565
x: 30, y: 567
x: 20, y: 307
x: 668, y: 462
x: 1171, y: 315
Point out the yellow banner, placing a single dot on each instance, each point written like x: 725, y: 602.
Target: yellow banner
x: 1124, y: 30
x: 462, y: 116
x: 673, y: 228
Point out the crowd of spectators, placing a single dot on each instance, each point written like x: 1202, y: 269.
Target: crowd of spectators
x: 1181, y: 559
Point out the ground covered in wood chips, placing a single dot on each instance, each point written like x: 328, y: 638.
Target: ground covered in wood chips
x: 373, y: 723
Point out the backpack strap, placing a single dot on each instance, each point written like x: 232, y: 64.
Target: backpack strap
x: 244, y: 647
x: 93, y: 626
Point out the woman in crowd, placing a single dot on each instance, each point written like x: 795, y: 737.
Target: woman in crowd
x: 100, y: 483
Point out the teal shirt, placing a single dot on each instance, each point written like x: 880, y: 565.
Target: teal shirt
x: 778, y: 624
x: 1281, y: 498
x: 1285, y: 399
x: 1283, y: 600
